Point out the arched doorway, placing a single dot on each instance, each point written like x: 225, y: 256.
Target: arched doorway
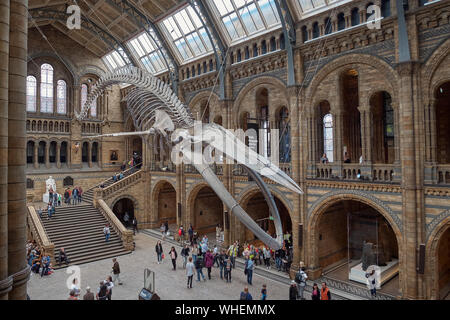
x: 349, y: 237
x: 207, y: 211
x: 84, y: 152
x: 257, y: 208
x: 123, y: 206
x: 166, y: 203
x: 351, y: 116
x: 443, y: 123
x: 443, y: 266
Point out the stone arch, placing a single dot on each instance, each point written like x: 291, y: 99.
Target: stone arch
x: 326, y: 201
x: 252, y: 190
x: 135, y: 208
x: 214, y: 105
x: 260, y: 81
x: 353, y: 61
x: 429, y: 70
x: 126, y: 196
x: 155, y: 191
x: 192, y: 193
x: 65, y: 61
x: 431, y: 268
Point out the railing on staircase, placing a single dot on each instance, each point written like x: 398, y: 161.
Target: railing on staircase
x: 37, y: 232
x: 105, y: 193
x: 125, y: 235
x: 125, y: 174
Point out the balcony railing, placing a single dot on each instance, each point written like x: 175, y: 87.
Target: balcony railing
x: 385, y: 173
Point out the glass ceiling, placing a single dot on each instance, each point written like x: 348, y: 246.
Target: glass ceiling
x: 115, y: 60
x: 187, y: 34
x: 311, y: 5
x: 243, y: 18
x: 148, y: 53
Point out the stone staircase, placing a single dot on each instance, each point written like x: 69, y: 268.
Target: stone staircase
x: 79, y: 230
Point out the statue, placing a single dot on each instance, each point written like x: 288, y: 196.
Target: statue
x: 50, y: 186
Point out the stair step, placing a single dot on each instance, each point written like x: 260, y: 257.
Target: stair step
x: 88, y: 251
x: 93, y: 258
x: 65, y: 243
x: 75, y: 230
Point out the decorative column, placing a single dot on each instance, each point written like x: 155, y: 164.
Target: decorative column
x: 58, y: 155
x: 365, y: 167
x: 47, y: 155
x: 18, y: 268
x: 5, y: 282
x: 90, y: 154
x: 338, y: 133
x: 36, y: 155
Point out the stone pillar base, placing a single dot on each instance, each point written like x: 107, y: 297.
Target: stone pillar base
x: 314, y: 274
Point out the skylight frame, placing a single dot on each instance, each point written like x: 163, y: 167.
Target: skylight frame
x: 147, y: 53
x: 234, y: 8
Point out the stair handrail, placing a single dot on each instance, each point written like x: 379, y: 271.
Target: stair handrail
x: 116, y: 186
x: 38, y: 233
x: 104, y: 181
x: 125, y: 235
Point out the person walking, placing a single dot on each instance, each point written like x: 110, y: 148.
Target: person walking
x: 163, y: 231
x: 232, y: 253
x: 264, y: 292
x: 106, y: 232
x: 126, y: 219
x: 245, y: 295
x: 216, y: 256
x: 209, y: 262
x: 49, y: 211
x: 191, y: 235
x: 116, y: 271
x: 88, y: 295
x: 266, y: 257
x: 315, y: 295
x: 166, y: 227
x: 135, y: 227
x: 173, y: 255
x: 249, y: 266
x: 80, y: 194
x: 39, y: 212
x: 74, y: 196
x: 228, y: 267
x: 181, y: 234
x: 194, y: 252
x: 185, y: 255
x: 190, y: 273
x: 159, y: 251
x: 325, y: 293
x: 59, y: 200
x: 300, y: 279
x: 293, y: 293
x: 199, y: 268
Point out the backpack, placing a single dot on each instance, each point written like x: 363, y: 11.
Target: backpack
x: 298, y: 278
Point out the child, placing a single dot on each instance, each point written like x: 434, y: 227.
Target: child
x: 264, y: 292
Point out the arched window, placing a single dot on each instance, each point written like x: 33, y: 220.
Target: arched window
x: 239, y: 56
x: 273, y: 44
x: 282, y: 42
x: 341, y: 21
x: 263, y: 47
x: 247, y: 53
x: 305, y: 33
x: 31, y: 94
x: 355, y: 16
x: 285, y: 136
x: 255, y: 50
x: 94, y: 108
x: 46, y: 88
x: 328, y: 26
x: 316, y: 31
x: 61, y: 97
x: 84, y: 94
x: 328, y: 147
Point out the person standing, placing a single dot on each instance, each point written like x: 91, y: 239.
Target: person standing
x: 228, y: 267
x: 194, y: 252
x: 249, y: 266
x: 264, y: 292
x: 173, y: 255
x: 88, y: 295
x: 126, y: 219
x: 216, y: 255
x: 116, y: 271
x: 166, y: 227
x: 59, y: 200
x: 209, y: 262
x: 245, y: 295
x: 300, y: 279
x: 106, y: 232
x: 190, y: 273
x: 221, y: 259
x: 372, y: 283
x: 232, y: 253
x: 135, y: 227
x: 293, y: 293
x: 185, y: 255
x: 159, y: 251
x: 199, y: 268
x: 266, y: 256
x: 315, y: 295
x: 163, y: 231
x: 39, y: 212
x: 110, y: 285
x: 80, y: 194
x: 218, y: 230
x: 325, y: 293
x: 74, y: 196
x: 102, y: 292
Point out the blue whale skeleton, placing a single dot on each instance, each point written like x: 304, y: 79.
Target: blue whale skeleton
x: 157, y: 111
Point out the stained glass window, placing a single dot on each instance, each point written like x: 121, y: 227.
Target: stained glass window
x: 46, y: 88
x: 243, y: 18
x: 61, y: 91
x: 328, y: 147
x: 31, y: 94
